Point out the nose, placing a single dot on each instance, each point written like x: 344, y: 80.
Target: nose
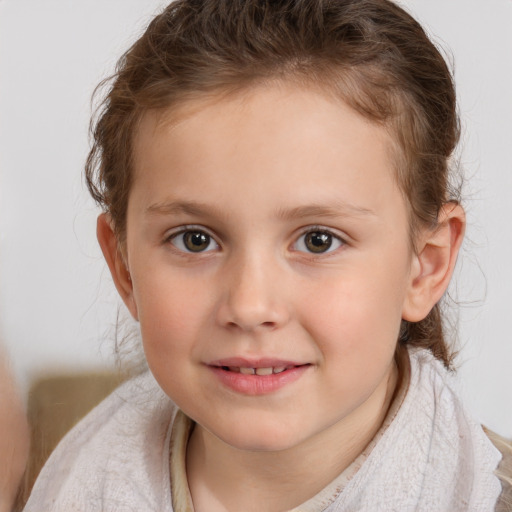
x: 254, y: 296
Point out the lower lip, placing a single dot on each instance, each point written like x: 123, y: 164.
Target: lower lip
x: 255, y: 385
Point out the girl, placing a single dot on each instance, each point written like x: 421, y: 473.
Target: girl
x: 278, y: 218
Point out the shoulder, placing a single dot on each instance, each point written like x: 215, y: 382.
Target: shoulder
x: 504, y: 470
x: 114, y: 459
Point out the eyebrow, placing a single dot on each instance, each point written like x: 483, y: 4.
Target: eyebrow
x: 330, y: 210
x: 335, y: 209
x: 180, y: 207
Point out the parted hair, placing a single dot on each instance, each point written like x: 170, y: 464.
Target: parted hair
x: 371, y: 54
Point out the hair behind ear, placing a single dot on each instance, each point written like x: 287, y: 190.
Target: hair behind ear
x: 437, y: 251
x: 428, y: 333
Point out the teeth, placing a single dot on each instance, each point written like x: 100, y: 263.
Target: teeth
x: 264, y: 371
x: 259, y: 371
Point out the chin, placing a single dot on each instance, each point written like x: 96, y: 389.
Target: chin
x: 263, y: 439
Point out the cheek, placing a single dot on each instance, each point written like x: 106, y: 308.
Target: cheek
x: 356, y: 335
x: 355, y: 316
x: 171, y: 312
x: 169, y: 324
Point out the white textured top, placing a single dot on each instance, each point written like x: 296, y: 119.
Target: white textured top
x: 429, y: 456
x: 433, y: 456
x: 115, y: 459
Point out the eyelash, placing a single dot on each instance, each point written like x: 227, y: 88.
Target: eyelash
x: 177, y: 239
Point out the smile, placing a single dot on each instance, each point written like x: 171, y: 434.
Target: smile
x: 255, y: 378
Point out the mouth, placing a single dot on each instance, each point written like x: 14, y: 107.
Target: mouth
x: 257, y: 376
x: 259, y: 370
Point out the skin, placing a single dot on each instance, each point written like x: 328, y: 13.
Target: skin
x: 14, y: 438
x: 256, y: 173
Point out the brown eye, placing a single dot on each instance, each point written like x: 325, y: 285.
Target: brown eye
x: 193, y: 241
x: 196, y: 241
x: 318, y: 241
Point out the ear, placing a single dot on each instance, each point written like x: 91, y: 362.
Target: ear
x: 433, y: 264
x: 116, y: 262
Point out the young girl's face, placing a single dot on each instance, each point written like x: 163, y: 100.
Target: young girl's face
x: 270, y: 264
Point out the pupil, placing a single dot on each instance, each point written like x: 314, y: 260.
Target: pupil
x: 318, y: 241
x: 196, y: 241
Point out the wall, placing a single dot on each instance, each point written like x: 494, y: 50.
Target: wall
x: 57, y: 305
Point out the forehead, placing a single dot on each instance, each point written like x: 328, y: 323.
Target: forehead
x: 270, y: 140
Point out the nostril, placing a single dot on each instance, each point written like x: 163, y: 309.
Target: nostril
x: 251, y: 327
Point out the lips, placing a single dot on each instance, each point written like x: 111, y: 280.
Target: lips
x: 257, y: 377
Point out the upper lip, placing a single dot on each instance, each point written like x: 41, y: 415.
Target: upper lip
x: 242, y: 362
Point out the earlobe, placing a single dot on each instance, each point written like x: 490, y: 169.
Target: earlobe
x: 434, y: 262
x: 116, y: 263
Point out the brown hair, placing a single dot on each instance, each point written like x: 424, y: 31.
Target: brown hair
x: 370, y: 53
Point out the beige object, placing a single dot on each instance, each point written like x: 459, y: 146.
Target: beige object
x: 55, y: 404
x: 13, y: 437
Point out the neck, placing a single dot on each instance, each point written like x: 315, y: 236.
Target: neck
x: 223, y: 478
